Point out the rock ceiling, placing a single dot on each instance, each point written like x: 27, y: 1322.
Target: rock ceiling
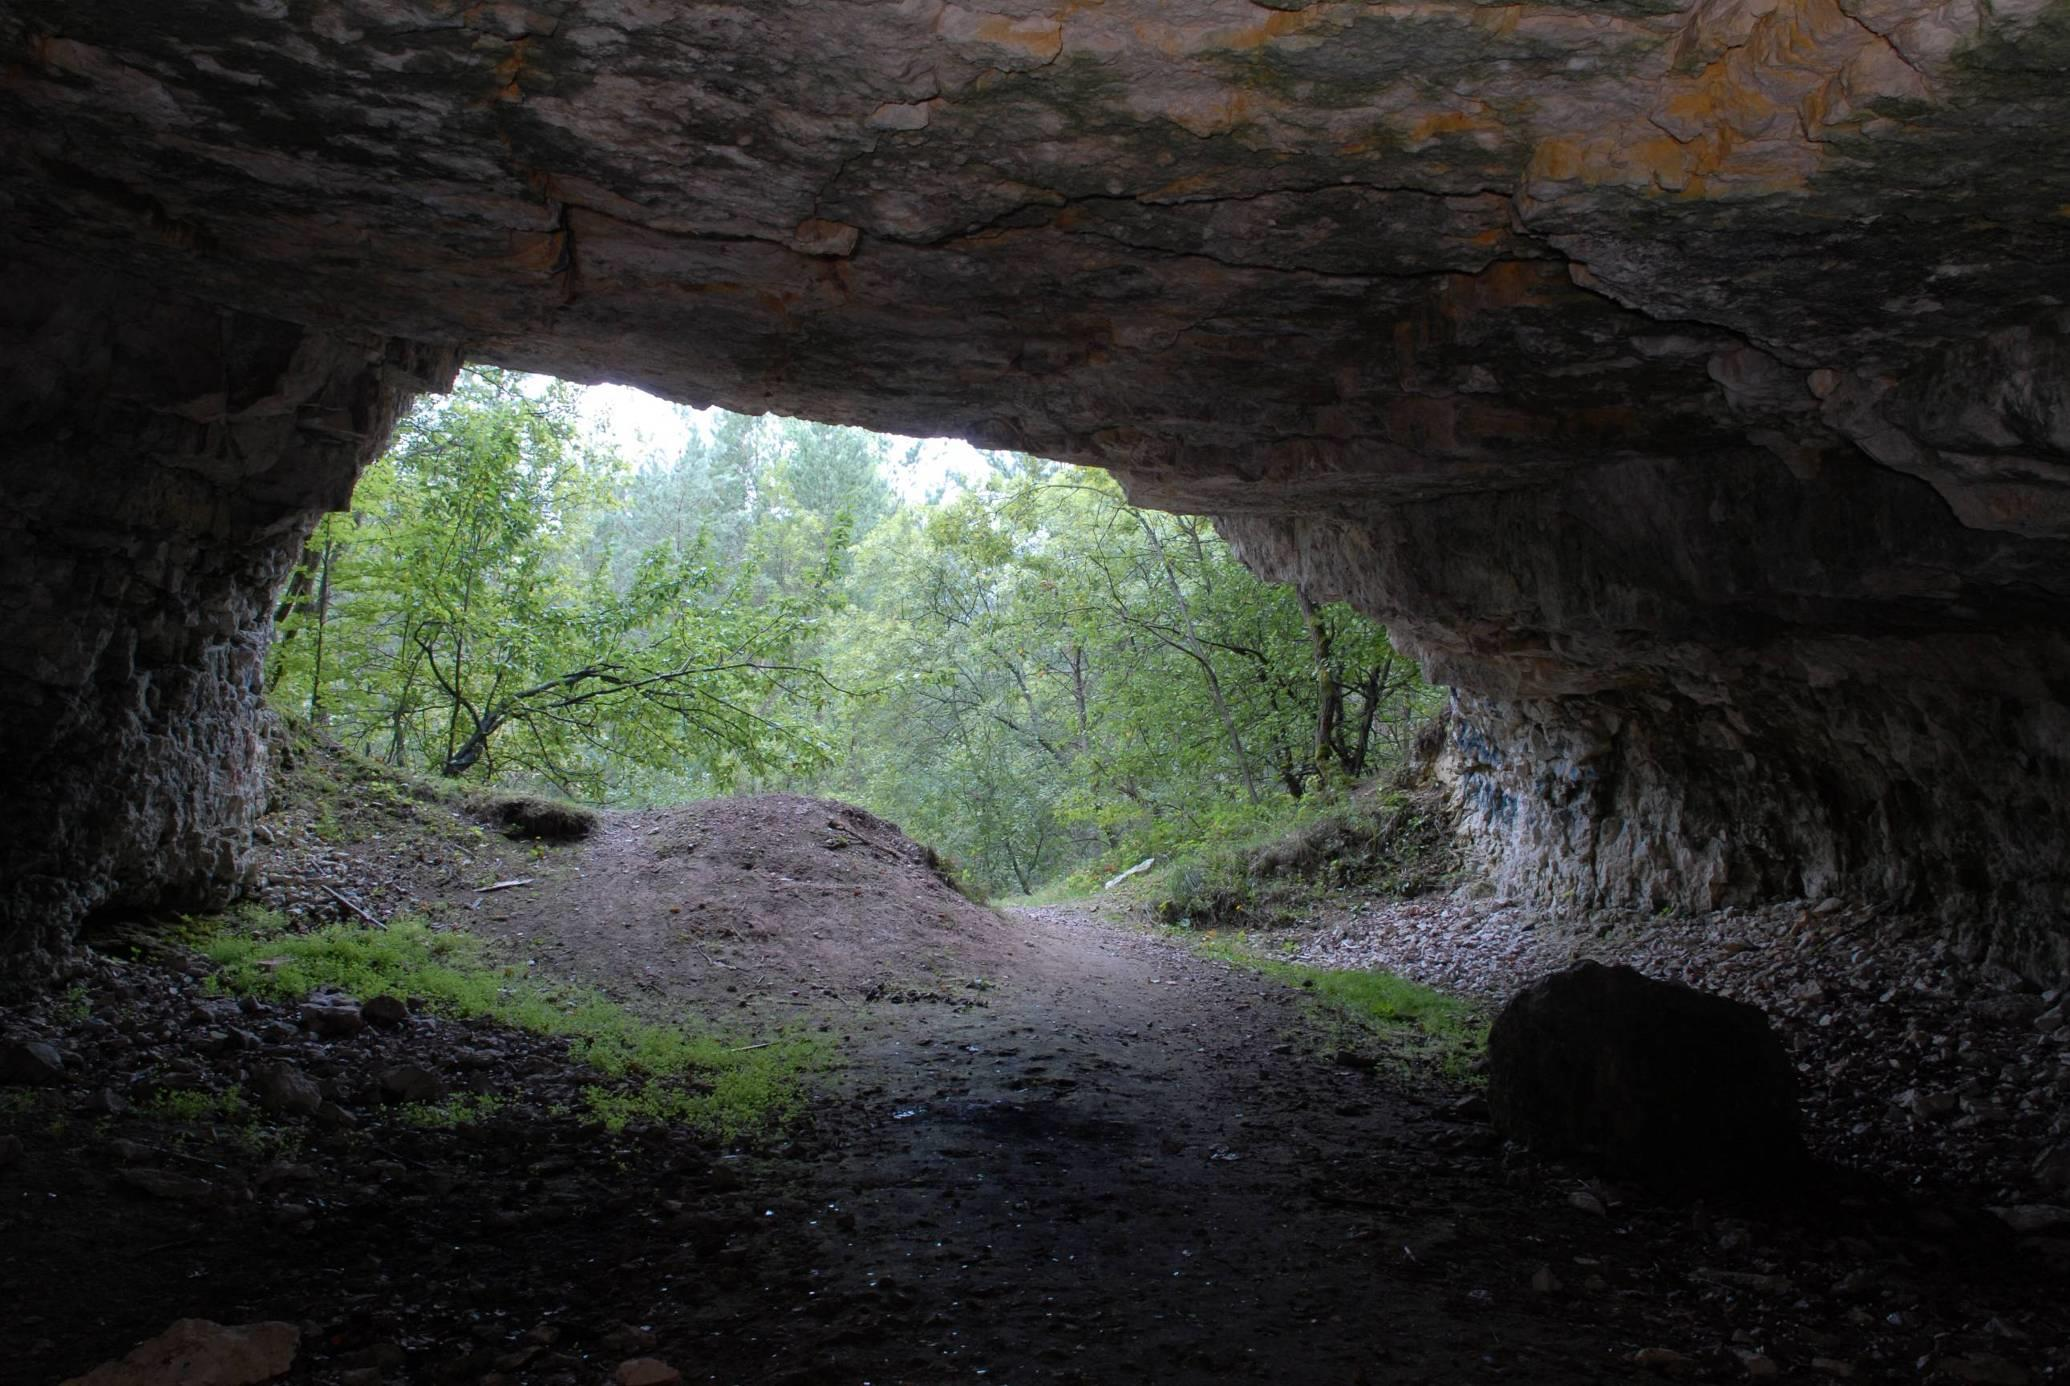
x: 1677, y: 378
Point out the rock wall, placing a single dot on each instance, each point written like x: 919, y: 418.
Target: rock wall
x: 1687, y: 382
x: 164, y: 463
x: 1662, y: 712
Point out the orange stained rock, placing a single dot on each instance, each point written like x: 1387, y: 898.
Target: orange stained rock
x: 1502, y: 285
x: 538, y: 251
x: 1038, y: 38
x: 1177, y: 41
x: 1476, y: 119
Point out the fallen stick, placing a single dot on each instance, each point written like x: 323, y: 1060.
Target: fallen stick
x: 745, y: 1047
x: 339, y: 896
x: 503, y: 885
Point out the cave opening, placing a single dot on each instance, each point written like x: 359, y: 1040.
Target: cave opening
x: 1683, y: 385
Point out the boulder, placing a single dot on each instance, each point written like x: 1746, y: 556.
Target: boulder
x: 409, y: 1083
x: 284, y: 1090
x: 30, y: 1063
x: 1647, y: 1079
x: 333, y: 1018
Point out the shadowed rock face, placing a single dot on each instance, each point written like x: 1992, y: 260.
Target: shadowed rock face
x: 1689, y: 385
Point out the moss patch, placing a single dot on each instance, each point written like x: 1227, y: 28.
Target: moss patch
x: 1370, y: 1017
x: 714, y: 1084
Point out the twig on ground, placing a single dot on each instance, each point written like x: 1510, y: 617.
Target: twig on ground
x: 339, y: 896
x: 504, y: 885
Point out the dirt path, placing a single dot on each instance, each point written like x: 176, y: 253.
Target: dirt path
x: 1120, y: 1167
x: 1057, y: 1149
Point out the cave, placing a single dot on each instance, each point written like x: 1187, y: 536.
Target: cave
x: 1685, y: 383
x: 1687, y: 386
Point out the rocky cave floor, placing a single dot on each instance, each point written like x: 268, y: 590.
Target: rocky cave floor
x: 1055, y: 1146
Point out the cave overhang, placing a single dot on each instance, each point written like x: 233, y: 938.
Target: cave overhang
x: 1688, y: 384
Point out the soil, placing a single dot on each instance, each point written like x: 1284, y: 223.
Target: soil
x: 1056, y: 1147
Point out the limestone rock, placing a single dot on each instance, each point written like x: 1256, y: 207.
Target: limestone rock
x: 409, y: 1083
x: 1642, y: 365
x: 30, y: 1063
x: 385, y: 1011
x: 1652, y: 1079
x: 284, y: 1090
x: 198, y: 1352
x: 334, y: 1018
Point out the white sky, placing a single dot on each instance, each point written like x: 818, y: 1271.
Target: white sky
x: 644, y: 427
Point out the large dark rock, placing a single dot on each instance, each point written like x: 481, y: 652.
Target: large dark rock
x: 1646, y: 1079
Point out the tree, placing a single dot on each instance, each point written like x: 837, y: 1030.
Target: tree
x: 480, y: 624
x: 1056, y: 676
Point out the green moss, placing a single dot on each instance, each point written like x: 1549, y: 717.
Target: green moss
x: 1410, y: 1023
x: 195, y: 1106
x: 665, y: 1072
x: 462, y: 1109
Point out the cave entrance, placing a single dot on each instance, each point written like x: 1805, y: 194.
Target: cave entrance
x: 590, y: 593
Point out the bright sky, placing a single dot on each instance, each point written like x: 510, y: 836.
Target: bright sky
x: 644, y: 427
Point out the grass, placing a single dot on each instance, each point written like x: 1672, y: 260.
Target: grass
x: 1411, y: 1022
x: 461, y: 1109
x: 194, y: 1106
x: 656, y: 1071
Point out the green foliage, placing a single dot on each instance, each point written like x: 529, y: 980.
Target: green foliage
x: 1397, y: 844
x: 193, y: 1106
x: 729, y: 1091
x: 1037, y: 678
x: 474, y: 614
x: 1058, y: 682
x: 461, y: 1109
x: 1411, y: 1023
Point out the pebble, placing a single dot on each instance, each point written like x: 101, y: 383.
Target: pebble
x: 2027, y: 1219
x: 1588, y: 1203
x: 1983, y: 1369
x: 646, y: 1371
x: 161, y: 1183
x: 385, y: 1011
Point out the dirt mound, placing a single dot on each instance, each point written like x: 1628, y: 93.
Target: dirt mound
x: 776, y: 902
x: 535, y: 816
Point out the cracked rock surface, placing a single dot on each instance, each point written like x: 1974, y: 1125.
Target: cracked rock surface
x: 1686, y: 383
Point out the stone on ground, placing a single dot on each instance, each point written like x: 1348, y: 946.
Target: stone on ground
x: 284, y: 1090
x: 30, y: 1063
x: 198, y: 1352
